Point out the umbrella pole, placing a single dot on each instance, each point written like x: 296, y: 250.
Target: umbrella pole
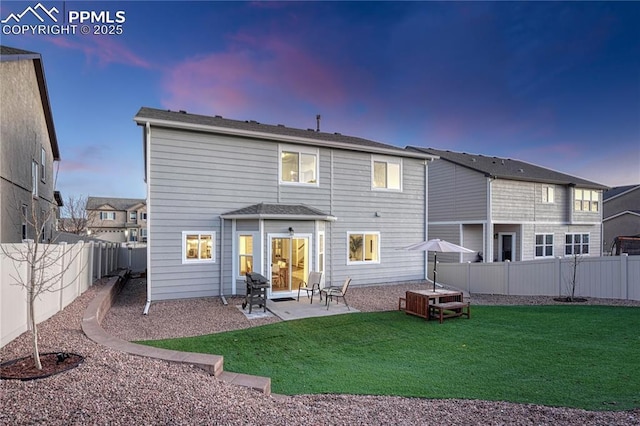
x: 435, y: 269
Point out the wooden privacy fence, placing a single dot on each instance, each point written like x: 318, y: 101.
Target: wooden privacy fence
x: 607, y: 277
x: 75, y: 266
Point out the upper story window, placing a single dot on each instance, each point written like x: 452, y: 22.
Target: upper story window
x: 386, y: 173
x: 576, y: 244
x: 133, y: 216
x: 298, y: 165
x: 364, y: 248
x: 544, y: 245
x: 43, y: 164
x: 34, y: 178
x: 107, y: 215
x: 198, y: 246
x: 548, y: 194
x: 586, y: 200
x: 143, y: 216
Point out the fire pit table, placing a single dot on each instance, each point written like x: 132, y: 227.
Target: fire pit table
x: 256, y: 291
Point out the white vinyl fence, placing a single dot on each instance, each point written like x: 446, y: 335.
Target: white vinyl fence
x: 607, y: 277
x: 78, y: 265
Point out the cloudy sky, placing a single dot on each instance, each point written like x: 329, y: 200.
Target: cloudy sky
x: 556, y: 84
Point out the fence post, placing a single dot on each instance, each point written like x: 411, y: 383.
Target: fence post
x: 624, y: 278
x: 558, y: 274
x: 506, y: 277
x: 61, y: 249
x: 468, y: 277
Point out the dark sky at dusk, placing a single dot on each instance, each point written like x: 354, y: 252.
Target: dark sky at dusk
x: 555, y: 84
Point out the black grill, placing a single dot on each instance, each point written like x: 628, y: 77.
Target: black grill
x: 256, y: 291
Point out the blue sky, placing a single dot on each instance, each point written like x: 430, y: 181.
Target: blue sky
x: 555, y: 84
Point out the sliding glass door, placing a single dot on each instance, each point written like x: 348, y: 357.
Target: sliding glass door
x: 289, y: 262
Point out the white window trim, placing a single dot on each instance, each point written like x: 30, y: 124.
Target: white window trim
x: 236, y: 251
x: 184, y: 247
x: 545, y: 191
x: 564, y: 246
x: 43, y: 164
x: 388, y: 160
x: 321, y: 241
x: 544, y: 245
x: 299, y: 150
x: 134, y: 214
x: 592, y: 202
x: 106, y: 215
x: 34, y: 178
x: 363, y: 262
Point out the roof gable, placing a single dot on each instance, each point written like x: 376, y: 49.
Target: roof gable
x: 506, y: 168
x: 119, y: 204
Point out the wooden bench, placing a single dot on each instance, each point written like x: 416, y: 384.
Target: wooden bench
x: 450, y: 310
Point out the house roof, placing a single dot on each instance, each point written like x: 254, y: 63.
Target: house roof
x: 506, y: 168
x: 12, y: 54
x: 618, y: 190
x: 278, y: 211
x: 120, y: 204
x: 279, y: 133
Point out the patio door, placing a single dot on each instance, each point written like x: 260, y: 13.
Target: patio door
x: 289, y: 263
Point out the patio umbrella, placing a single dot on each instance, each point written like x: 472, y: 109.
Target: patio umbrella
x: 436, y: 246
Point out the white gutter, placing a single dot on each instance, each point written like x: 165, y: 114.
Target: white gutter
x: 147, y: 136
x: 224, y: 301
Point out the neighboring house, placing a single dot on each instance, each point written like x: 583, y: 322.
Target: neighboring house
x: 621, y: 213
x: 226, y: 197
x: 511, y: 210
x: 117, y: 219
x: 28, y: 149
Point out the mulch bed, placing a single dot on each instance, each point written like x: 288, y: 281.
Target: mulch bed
x: 52, y: 363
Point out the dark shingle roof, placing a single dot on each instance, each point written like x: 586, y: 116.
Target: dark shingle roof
x: 617, y: 191
x: 250, y: 126
x: 120, y: 204
x: 6, y: 50
x: 263, y: 210
x: 506, y: 168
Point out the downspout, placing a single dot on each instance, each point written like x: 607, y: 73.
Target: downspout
x: 147, y: 144
x: 426, y: 217
x: 224, y: 301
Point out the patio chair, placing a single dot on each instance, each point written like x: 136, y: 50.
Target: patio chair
x: 311, y: 285
x: 337, y: 292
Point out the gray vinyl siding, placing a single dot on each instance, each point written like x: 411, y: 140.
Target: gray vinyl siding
x: 456, y: 193
x: 449, y: 233
x: 400, y: 221
x: 472, y: 239
x: 559, y: 232
x: 195, y: 177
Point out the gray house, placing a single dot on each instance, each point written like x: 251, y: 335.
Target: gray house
x: 28, y: 149
x: 117, y: 219
x: 621, y: 213
x: 227, y: 196
x: 511, y: 210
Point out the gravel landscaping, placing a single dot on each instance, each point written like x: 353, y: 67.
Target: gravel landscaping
x: 115, y: 388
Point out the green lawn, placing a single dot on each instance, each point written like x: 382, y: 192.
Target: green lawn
x: 573, y: 356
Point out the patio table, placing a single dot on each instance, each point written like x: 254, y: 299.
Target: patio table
x: 417, y: 301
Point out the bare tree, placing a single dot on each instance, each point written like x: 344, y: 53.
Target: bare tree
x: 74, y: 217
x: 571, y: 282
x: 45, y: 268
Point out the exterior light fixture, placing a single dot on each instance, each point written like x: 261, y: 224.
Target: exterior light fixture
x: 291, y: 231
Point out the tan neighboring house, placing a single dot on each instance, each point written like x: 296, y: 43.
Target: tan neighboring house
x: 28, y: 148
x: 117, y: 219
